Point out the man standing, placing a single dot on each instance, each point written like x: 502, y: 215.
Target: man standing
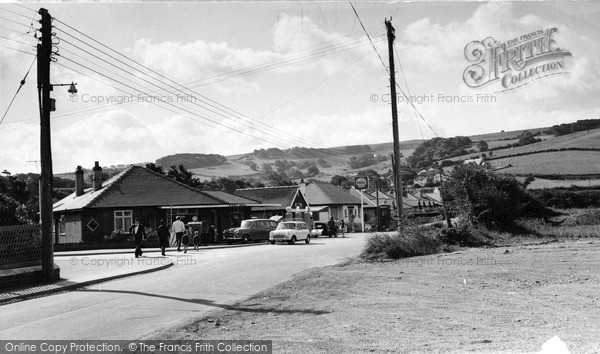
x: 178, y: 229
x: 163, y: 236
x: 139, y: 233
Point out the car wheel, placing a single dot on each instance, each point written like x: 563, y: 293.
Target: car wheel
x: 293, y: 240
x: 272, y: 242
x: 307, y: 239
x: 245, y: 239
x: 229, y: 242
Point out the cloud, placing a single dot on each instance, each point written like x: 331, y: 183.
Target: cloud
x: 298, y: 46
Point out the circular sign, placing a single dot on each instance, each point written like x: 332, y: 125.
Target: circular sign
x: 361, y: 182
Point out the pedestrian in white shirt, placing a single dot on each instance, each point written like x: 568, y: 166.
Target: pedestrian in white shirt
x: 178, y: 228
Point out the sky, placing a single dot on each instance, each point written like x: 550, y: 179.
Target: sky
x: 227, y: 78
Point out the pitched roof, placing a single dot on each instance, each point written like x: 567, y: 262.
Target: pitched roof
x: 138, y: 186
x: 323, y: 193
x: 230, y: 198
x: 368, y: 200
x: 282, y: 195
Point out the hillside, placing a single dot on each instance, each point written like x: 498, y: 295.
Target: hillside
x: 530, y: 159
x: 539, y: 159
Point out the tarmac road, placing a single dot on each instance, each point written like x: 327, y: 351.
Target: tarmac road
x: 199, y: 281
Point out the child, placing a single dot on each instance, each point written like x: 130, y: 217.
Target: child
x: 185, y: 240
x: 196, y: 240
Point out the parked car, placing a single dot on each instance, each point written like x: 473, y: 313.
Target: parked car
x: 290, y: 232
x: 250, y: 230
x: 319, y: 229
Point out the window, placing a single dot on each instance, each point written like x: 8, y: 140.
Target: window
x: 123, y: 220
x: 334, y: 212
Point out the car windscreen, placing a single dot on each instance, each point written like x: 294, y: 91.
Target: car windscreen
x: 246, y: 224
x: 286, y: 225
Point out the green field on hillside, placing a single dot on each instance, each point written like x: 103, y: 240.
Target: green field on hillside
x: 553, y: 163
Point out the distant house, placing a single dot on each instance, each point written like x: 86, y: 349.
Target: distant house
x: 275, y: 201
x: 409, y: 202
x: 430, y: 199
x: 327, y: 201
x: 478, y: 162
x: 369, y: 202
x: 137, y: 192
x: 427, y: 176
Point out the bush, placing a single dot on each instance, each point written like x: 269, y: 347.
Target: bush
x: 408, y: 242
x: 487, y: 198
x: 461, y: 236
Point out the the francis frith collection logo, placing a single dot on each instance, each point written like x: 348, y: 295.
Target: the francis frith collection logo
x: 516, y: 62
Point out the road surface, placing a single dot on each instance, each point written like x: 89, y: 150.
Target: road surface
x: 199, y: 281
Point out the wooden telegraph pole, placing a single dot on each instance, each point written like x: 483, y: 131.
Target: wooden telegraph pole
x: 44, y: 52
x: 396, y: 161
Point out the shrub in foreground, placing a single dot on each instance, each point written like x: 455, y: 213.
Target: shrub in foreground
x: 408, y: 242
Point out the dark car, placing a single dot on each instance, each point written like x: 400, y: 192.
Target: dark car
x: 250, y: 230
x: 319, y: 229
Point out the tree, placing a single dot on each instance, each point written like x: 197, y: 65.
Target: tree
x: 527, y: 138
x: 488, y: 198
x: 181, y: 174
x: 338, y: 180
x: 362, y: 161
x: 267, y: 167
x: 11, y: 212
x: 323, y: 163
x: 156, y: 168
x: 482, y: 146
x: 313, y: 171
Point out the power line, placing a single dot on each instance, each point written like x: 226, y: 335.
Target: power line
x: 204, y: 107
x: 408, y: 90
x: 16, y: 41
x: 411, y: 101
x: 18, y: 50
x: 217, y: 124
x: 18, y: 89
x: 13, y: 21
x: 240, y: 116
x: 16, y: 13
x: 25, y: 7
x: 367, y: 33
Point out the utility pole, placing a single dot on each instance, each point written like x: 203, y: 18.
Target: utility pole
x: 397, y: 173
x: 44, y: 52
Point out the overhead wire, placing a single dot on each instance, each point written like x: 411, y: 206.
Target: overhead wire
x: 13, y: 21
x: 18, y: 90
x: 18, y: 50
x: 16, y: 13
x: 24, y: 7
x: 211, y: 120
x: 238, y: 112
x: 149, y: 82
x: 332, y: 48
x: 241, y: 116
x: 206, y: 108
x: 368, y: 36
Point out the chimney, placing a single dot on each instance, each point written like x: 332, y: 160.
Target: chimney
x: 78, y: 181
x: 97, y: 176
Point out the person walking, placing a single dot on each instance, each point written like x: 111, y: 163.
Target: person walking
x: 139, y: 233
x: 185, y: 240
x: 331, y: 227
x: 342, y: 227
x: 163, y: 236
x: 178, y: 229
